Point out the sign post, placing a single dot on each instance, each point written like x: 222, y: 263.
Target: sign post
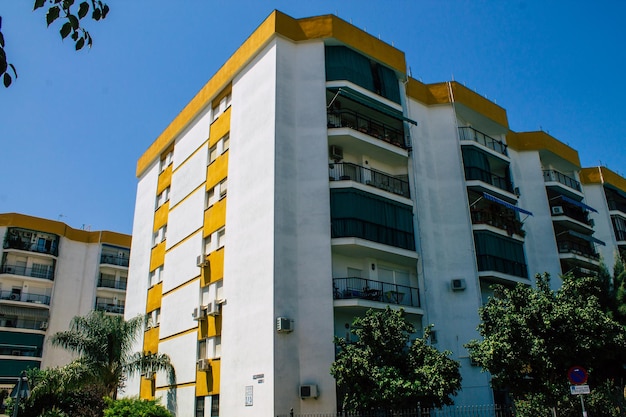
x: 577, y: 375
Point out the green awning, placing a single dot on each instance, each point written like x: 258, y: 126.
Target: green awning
x: 373, y: 104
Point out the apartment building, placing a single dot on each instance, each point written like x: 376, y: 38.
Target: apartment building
x: 49, y: 273
x: 310, y: 180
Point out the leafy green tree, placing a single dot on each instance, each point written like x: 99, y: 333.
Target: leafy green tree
x: 134, y: 407
x: 71, y: 16
x: 104, y: 343
x: 383, y: 369
x: 532, y: 336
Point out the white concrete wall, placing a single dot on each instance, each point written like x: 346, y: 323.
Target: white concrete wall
x: 181, y: 401
x: 176, y: 309
x: 191, y: 138
x: 248, y: 315
x: 188, y: 176
x: 180, y: 262
x: 446, y: 241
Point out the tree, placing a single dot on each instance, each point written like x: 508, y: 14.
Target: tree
x: 103, y: 343
x: 532, y: 336
x: 72, y: 17
x: 385, y: 370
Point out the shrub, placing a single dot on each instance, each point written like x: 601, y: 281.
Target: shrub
x: 135, y: 407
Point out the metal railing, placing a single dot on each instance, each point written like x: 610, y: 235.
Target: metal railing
x: 109, y: 305
x: 552, y: 175
x: 114, y: 260
x: 571, y: 211
x: 19, y: 323
x: 469, y: 133
x: 474, y: 173
x: 27, y: 245
x: 620, y: 235
x: 616, y: 205
x: 367, y: 125
x: 348, y: 227
x: 353, y: 172
x: 508, y: 223
x: 498, y: 264
x: 108, y: 281
x: 42, y: 271
x: 25, y: 297
x: 577, y: 248
x: 367, y: 289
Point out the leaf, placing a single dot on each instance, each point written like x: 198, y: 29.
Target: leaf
x: 13, y: 68
x: 65, y: 29
x: 1, y: 40
x: 38, y: 4
x: 7, y: 79
x: 3, y: 64
x: 73, y: 21
x: 80, y: 43
x: 83, y: 9
x: 96, y: 14
x: 74, y: 36
x: 105, y: 11
x: 52, y: 15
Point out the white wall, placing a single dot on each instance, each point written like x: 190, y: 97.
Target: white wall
x: 189, y: 176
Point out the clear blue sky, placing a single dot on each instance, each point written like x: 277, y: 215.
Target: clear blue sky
x: 74, y: 124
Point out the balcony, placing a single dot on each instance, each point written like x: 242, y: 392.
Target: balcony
x: 478, y: 174
x: 36, y: 271
x: 108, y: 281
x: 616, y: 205
x: 352, y: 172
x: 567, y: 246
x: 32, y: 241
x: 367, y: 125
x: 504, y: 221
x: 550, y: 175
x: 109, y: 305
x: 114, y: 260
x: 620, y: 235
x: 471, y: 134
x: 373, y: 232
x: 25, y: 297
x: 503, y: 265
x: 367, y: 289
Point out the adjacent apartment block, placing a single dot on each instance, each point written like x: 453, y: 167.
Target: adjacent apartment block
x: 311, y: 179
x: 49, y: 273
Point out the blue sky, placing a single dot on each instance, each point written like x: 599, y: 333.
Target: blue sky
x: 74, y: 124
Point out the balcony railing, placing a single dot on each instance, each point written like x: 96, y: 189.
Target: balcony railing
x: 498, y: 264
x: 508, y: 223
x: 113, y: 260
x: 25, y: 297
x: 42, y: 271
x: 552, y: 175
x: 20, y: 323
x: 34, y: 352
x: 111, y: 283
x: 474, y: 173
x: 367, y: 289
x: 620, y: 235
x: 372, y: 231
x: 616, y: 205
x: 367, y: 125
x: 22, y: 240
x: 468, y: 133
x: 572, y: 212
x: 109, y: 305
x: 582, y: 249
x: 353, y: 172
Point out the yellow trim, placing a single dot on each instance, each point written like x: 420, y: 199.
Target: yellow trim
x: 277, y: 23
x: 187, y: 196
x: 179, y: 334
x: 160, y: 216
x: 157, y: 257
x: 208, y: 382
x: 165, y: 179
x: 601, y: 175
x: 215, y: 217
x: 180, y: 242
x: 219, y: 128
x: 146, y: 388
x: 217, y: 171
x: 154, y: 297
x: 537, y: 141
x: 62, y: 229
x: 151, y: 340
x: 183, y: 385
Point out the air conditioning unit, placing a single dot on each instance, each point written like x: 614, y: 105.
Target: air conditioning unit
x: 308, y: 391
x: 199, y: 313
x: 201, y: 260
x: 284, y: 325
x: 592, y: 223
x: 213, y: 309
x: 43, y: 325
x: 336, y: 153
x: 457, y: 284
x: 516, y: 191
x: 557, y: 210
x: 204, y: 365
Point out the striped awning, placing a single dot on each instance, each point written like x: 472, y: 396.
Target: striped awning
x: 506, y: 204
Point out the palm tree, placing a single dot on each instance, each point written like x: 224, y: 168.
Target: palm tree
x: 103, y: 343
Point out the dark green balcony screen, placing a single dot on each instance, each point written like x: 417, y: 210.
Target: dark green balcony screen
x: 359, y: 214
x: 473, y: 158
x: 498, y: 253
x: 11, y: 369
x: 343, y: 63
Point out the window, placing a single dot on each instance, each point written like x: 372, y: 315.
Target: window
x: 225, y: 143
x: 221, y: 107
x: 210, y: 348
x: 163, y: 197
x: 156, y: 276
x: 154, y: 318
x: 216, y: 193
x: 215, y: 405
x: 213, y: 154
x: 166, y: 160
x: 221, y: 238
x: 200, y: 406
x: 160, y: 235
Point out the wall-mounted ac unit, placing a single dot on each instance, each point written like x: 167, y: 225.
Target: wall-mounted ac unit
x: 457, y: 284
x: 516, y: 191
x: 43, y: 325
x: 284, y: 325
x: 557, y: 210
x: 308, y: 391
x: 199, y: 313
x: 213, y: 309
x: 201, y: 261
x: 336, y: 152
x: 204, y: 365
